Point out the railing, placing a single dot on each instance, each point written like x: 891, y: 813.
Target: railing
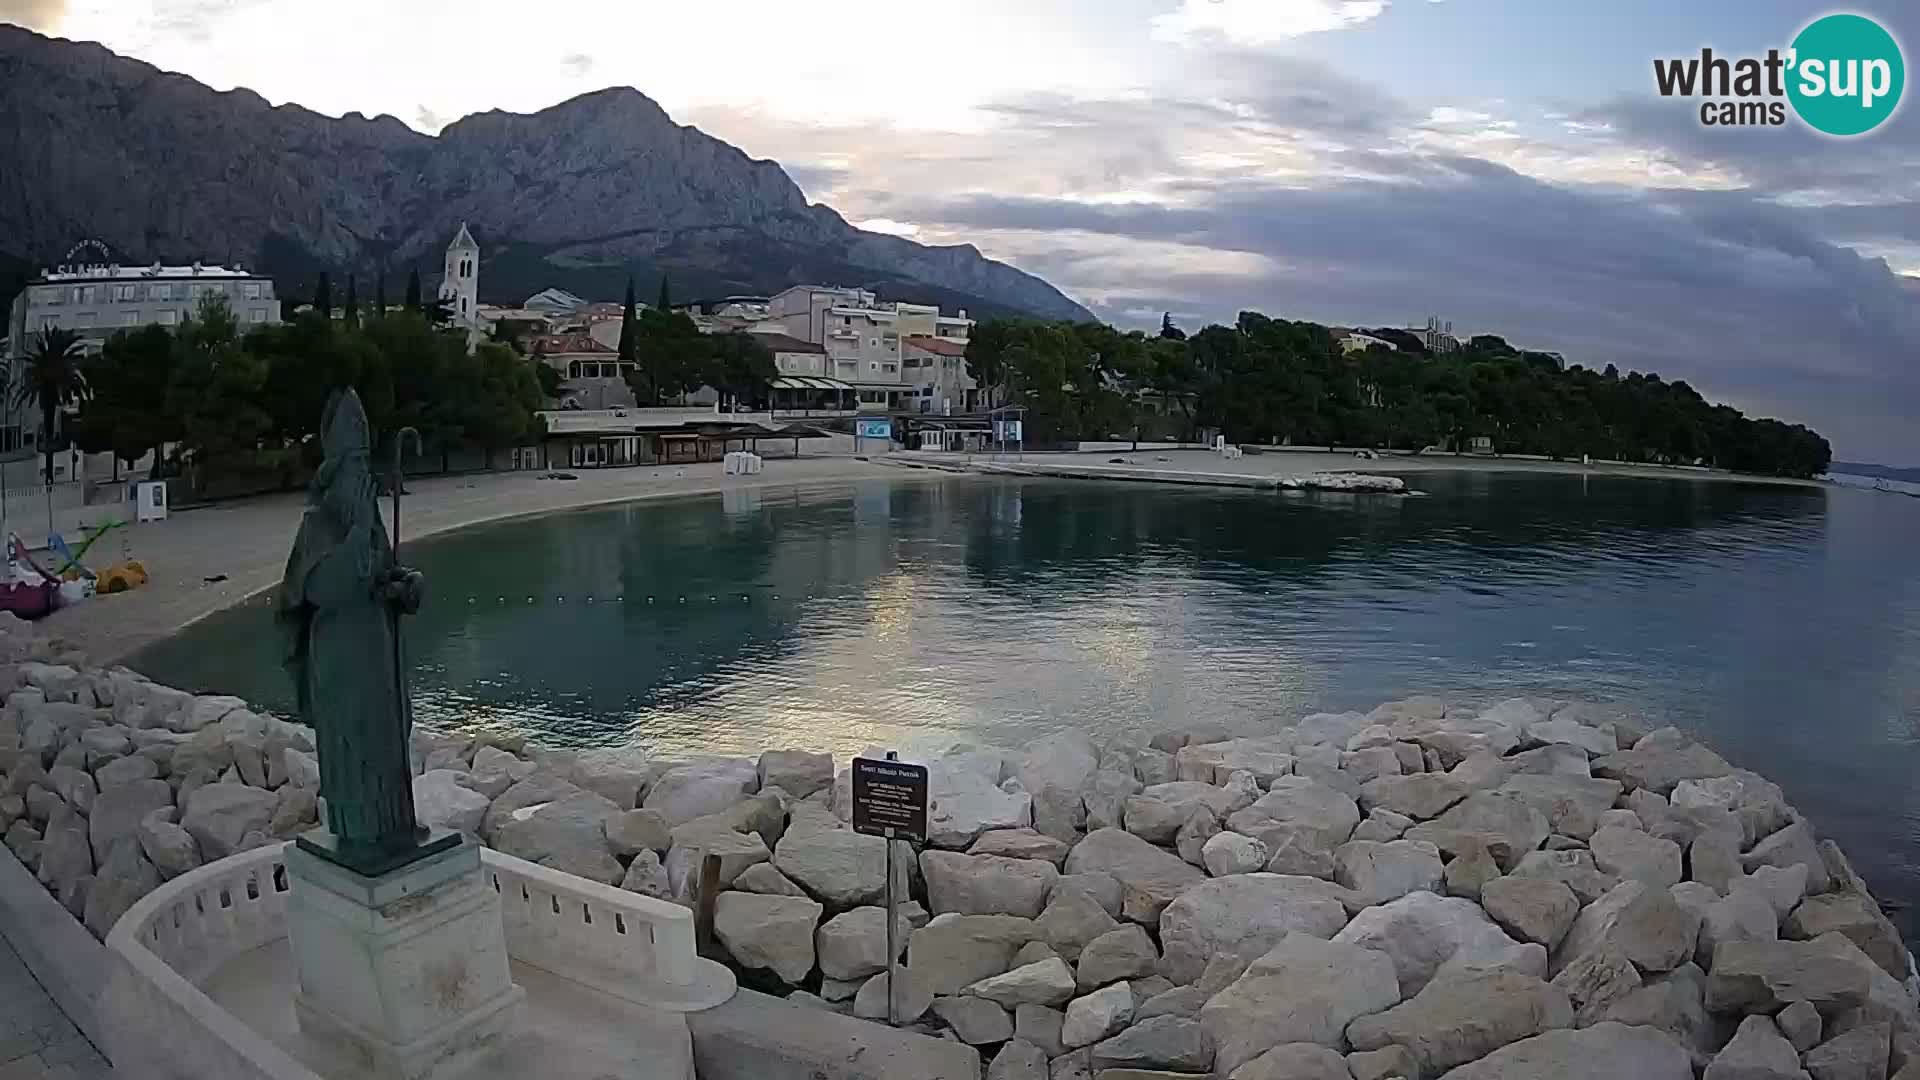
x: 622, y: 944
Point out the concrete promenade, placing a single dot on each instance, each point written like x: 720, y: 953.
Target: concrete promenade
x: 37, y: 1041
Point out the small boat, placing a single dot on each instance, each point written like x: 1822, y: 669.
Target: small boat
x: 29, y: 600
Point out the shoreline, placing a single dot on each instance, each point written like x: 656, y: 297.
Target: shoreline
x: 244, y: 542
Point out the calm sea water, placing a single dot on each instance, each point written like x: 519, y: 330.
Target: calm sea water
x: 1782, y: 624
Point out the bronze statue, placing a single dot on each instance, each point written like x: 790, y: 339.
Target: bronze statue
x: 339, y: 607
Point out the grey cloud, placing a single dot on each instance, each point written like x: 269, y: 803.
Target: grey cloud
x: 577, y: 63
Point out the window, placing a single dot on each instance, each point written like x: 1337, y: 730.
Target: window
x: 573, y: 370
x: 84, y: 318
x: 159, y: 292
x: 891, y: 369
x: 83, y: 294
x: 463, y: 305
x: 257, y: 315
x: 168, y: 317
x: 129, y: 318
x: 50, y: 322
x: 251, y: 290
x: 124, y: 293
x: 52, y: 296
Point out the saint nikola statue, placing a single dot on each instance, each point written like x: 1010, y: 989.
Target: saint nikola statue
x: 339, y: 609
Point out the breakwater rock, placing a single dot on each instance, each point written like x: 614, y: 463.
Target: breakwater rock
x: 1536, y: 888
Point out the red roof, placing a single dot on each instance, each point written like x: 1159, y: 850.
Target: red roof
x: 937, y: 346
x: 557, y: 344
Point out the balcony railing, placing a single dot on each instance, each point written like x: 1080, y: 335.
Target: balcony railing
x: 168, y: 945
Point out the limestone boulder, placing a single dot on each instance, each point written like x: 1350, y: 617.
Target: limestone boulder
x: 686, y: 792
x: 910, y: 1000
x: 853, y: 944
x: 1070, y: 921
x: 1632, y: 855
x: 125, y: 770
x: 633, y: 831
x: 976, y: 1021
x: 66, y: 858
x: 1460, y: 1018
x: 221, y: 815
x: 1040, y: 1026
x: 1386, y: 1063
x: 1163, y: 1046
x: 1105, y: 798
x: 1791, y: 846
x: 1647, y: 925
x: 1245, y: 914
x: 1598, y: 979
x: 568, y: 834
x: 1606, y: 1051
x: 1302, y: 990
x: 1049, y: 982
x: 1469, y: 871
x: 171, y: 849
x: 540, y: 786
x: 1756, y: 1052
x: 985, y: 884
x: 1268, y: 758
x: 617, y: 774
x: 1766, y: 976
x: 1420, y: 796
x: 295, y: 811
x: 1301, y: 805
x: 796, y: 772
x: 1150, y: 819
x: 647, y: 876
x: 1575, y: 869
x: 302, y: 768
x: 1379, y: 872
x: 1800, y: 1023
x: 1676, y: 1004
x: 1295, y: 1061
x: 1572, y: 805
x: 1125, y: 952
x: 1021, y: 844
x: 1659, y: 768
x: 1150, y: 878
x: 1744, y: 915
x: 1531, y: 909
x: 1859, y: 1054
x: 694, y: 841
x: 1096, y: 1016
x: 1381, y: 825
x: 965, y: 799
x: 1227, y: 853
x: 1420, y: 932
x: 1565, y: 729
x: 955, y: 951
x: 1506, y: 823
x: 123, y: 879
x: 441, y: 801
x: 838, y: 867
x: 1855, y: 916
x: 773, y: 932
x: 119, y: 810
x: 1191, y: 841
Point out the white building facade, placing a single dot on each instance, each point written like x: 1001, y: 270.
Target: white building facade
x: 460, y: 283
x: 864, y: 340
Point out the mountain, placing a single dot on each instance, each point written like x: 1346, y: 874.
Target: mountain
x: 159, y: 166
x: 1883, y: 472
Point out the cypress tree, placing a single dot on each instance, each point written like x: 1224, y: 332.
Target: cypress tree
x: 323, y: 296
x: 629, y: 330
x: 664, y: 303
x: 413, y: 289
x: 353, y: 303
x: 380, y: 295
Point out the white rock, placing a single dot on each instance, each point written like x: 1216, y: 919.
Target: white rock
x: 1150, y: 878
x: 839, y: 867
x: 645, y: 875
x: 1632, y: 854
x: 690, y: 791
x: 1231, y: 853
x: 964, y: 799
x: 853, y: 945
x: 1421, y: 931
x: 985, y: 884
x: 568, y: 834
x: 171, y: 849
x: 1756, y: 1052
x: 1382, y: 872
x: 634, y: 831
x: 303, y: 769
x: 955, y: 951
x: 1564, y: 729
x: 221, y: 815
x: 697, y: 839
x: 1049, y: 982
x: 440, y: 801
x: 1296, y: 803
x: 1071, y: 920
x: 1302, y: 990
x: 1125, y: 952
x: 796, y: 772
x: 1462, y: 1018
x: 1092, y: 1018
x: 1643, y: 922
x: 120, y: 809
x: 774, y: 932
x: 910, y: 1001
x: 1602, y: 1052
x: 1244, y: 914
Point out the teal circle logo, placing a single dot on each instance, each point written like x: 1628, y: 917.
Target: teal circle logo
x: 1846, y: 75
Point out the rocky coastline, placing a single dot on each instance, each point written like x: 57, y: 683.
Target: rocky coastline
x: 1535, y: 889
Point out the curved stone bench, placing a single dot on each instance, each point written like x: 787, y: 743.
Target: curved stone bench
x: 162, y: 1024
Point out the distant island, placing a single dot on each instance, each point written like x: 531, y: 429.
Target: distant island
x: 1266, y: 381
x: 1878, y: 472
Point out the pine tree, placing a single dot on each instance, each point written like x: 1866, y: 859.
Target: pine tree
x: 380, y: 295
x: 353, y: 303
x: 664, y: 304
x: 413, y: 289
x: 323, y: 296
x: 629, y: 331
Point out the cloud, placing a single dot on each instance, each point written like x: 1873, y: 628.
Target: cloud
x: 427, y: 120
x: 42, y: 15
x: 1262, y: 22
x: 578, y: 64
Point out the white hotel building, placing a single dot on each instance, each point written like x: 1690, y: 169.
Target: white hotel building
x: 871, y: 346
x: 97, y: 301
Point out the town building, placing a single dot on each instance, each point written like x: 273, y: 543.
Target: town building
x: 557, y: 301
x: 1437, y: 336
x: 95, y: 301
x: 863, y: 338
x: 594, y: 376
x: 460, y: 284
x: 1353, y: 341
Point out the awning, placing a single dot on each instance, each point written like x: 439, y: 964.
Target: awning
x: 802, y: 382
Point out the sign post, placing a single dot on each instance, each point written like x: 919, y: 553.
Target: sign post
x: 890, y: 801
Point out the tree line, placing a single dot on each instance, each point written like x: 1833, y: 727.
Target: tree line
x: 1272, y: 381
x: 664, y: 356
x: 212, y: 402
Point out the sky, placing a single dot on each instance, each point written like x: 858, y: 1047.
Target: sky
x: 1503, y: 164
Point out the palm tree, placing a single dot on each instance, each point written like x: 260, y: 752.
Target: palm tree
x: 52, y: 379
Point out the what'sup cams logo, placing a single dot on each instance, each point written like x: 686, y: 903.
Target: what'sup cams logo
x: 1843, y: 75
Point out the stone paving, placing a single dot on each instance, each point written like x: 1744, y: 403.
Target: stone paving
x: 37, y: 1041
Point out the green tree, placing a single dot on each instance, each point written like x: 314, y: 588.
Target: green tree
x: 1170, y: 331
x: 215, y: 390
x: 128, y: 380
x: 380, y: 295
x: 323, y: 296
x: 671, y: 353
x: 413, y: 289
x: 740, y: 367
x: 52, y: 380
x: 664, y: 302
x: 629, y: 330
x: 353, y: 305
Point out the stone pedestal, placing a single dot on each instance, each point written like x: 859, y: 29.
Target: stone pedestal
x: 406, y: 971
